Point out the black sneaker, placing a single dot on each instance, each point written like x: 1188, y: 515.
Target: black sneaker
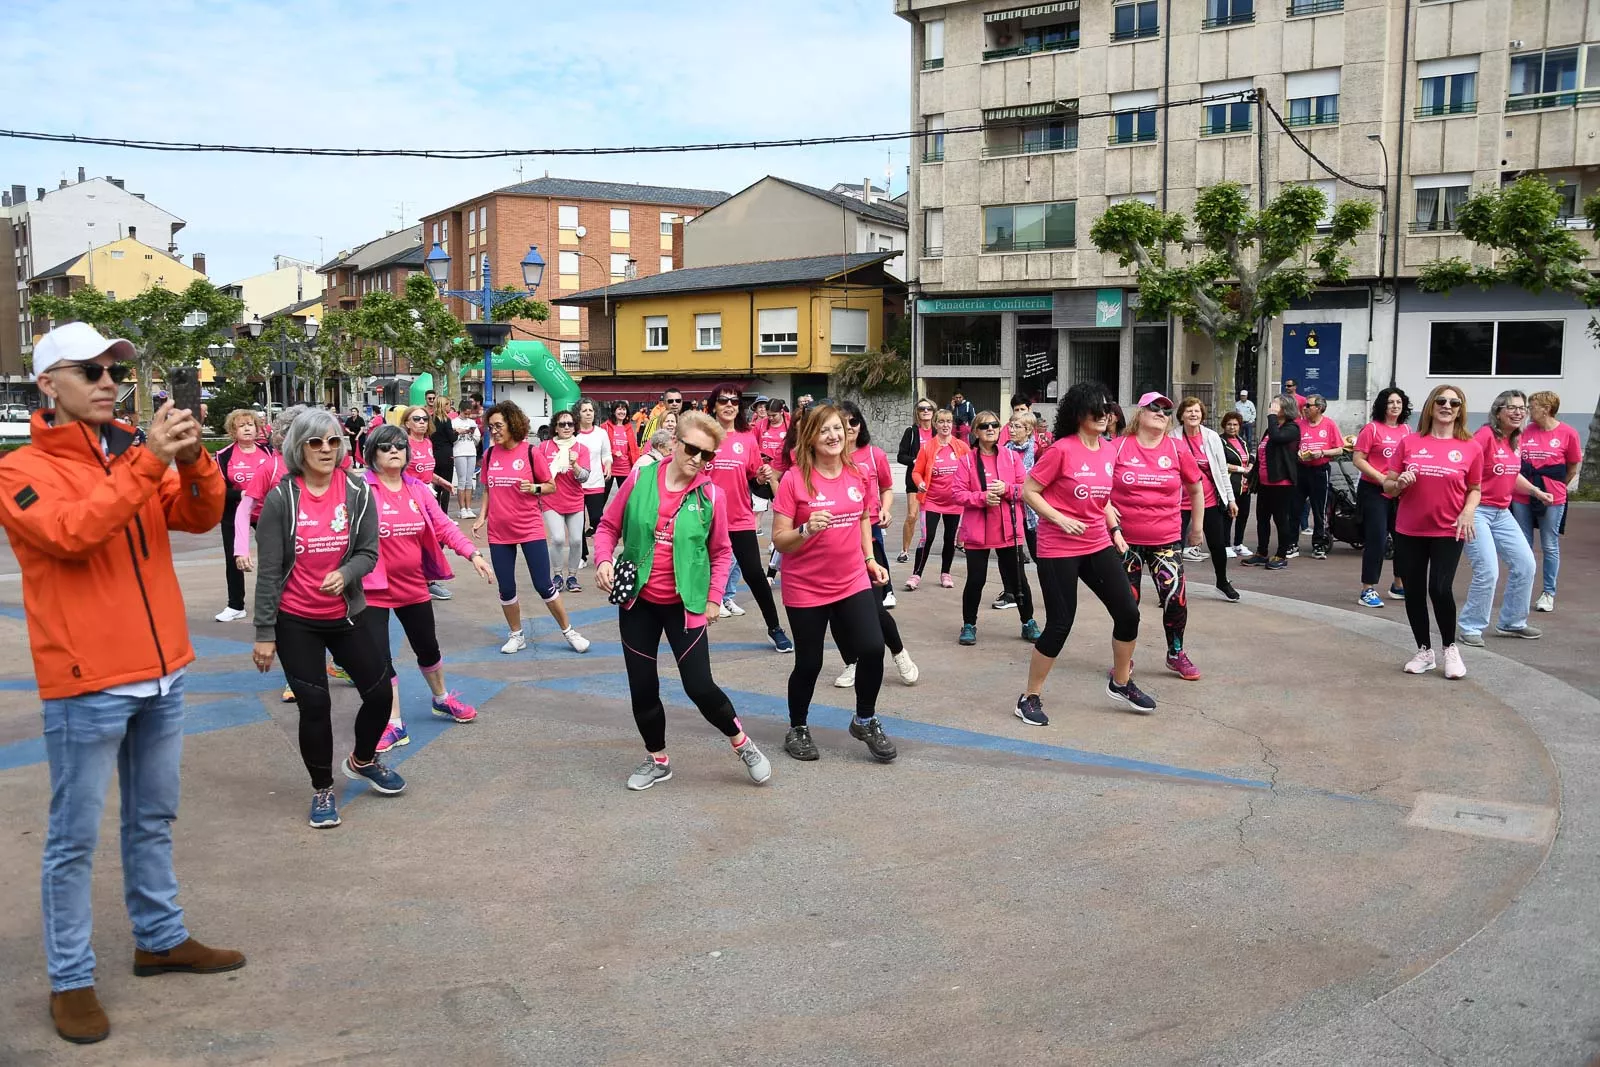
x: 1227, y: 592
x: 1004, y: 601
x: 1278, y: 563
x: 1319, y: 552
x: 1030, y: 709
x: 1255, y: 559
x: 797, y: 742
x: 1293, y: 553
x: 877, y: 741
x: 1130, y: 696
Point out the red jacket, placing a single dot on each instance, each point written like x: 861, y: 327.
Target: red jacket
x: 89, y: 528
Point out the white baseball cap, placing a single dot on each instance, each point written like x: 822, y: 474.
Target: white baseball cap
x: 76, y: 342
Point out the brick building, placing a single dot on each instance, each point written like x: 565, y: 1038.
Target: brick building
x: 380, y: 265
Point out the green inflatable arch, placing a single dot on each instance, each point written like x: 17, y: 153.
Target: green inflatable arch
x: 530, y: 356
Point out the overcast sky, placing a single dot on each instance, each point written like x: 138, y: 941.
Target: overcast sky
x: 436, y: 75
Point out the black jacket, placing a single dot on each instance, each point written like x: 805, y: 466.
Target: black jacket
x: 1283, y: 452
x: 910, y: 445
x: 234, y: 494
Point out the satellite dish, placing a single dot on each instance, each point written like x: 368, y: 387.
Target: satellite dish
x: 582, y: 232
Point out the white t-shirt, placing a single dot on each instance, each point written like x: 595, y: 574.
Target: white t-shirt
x: 467, y: 436
x: 598, y: 442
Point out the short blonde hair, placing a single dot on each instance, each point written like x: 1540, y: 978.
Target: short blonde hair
x: 699, y: 420
x: 1547, y: 400
x: 1027, y: 418
x: 235, y: 417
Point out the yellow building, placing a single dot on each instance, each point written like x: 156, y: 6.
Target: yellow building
x: 121, y: 270
x: 775, y: 325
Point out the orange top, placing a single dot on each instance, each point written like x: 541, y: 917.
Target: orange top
x: 88, y: 523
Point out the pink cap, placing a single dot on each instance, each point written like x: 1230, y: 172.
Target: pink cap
x: 1151, y: 398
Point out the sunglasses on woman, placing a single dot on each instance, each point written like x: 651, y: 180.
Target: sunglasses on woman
x: 727, y: 400
x: 419, y: 418
x: 1157, y: 409
x: 92, y: 371
x: 319, y: 443
x: 696, y: 452
x: 563, y: 425
x: 1447, y: 402
x: 988, y: 425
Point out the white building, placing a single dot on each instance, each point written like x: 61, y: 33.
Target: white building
x: 781, y: 219
x: 290, y: 281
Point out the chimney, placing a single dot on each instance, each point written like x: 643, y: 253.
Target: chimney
x: 133, y: 232
x: 62, y: 184
x: 80, y: 174
x: 41, y: 193
x: 677, y: 243
x: 5, y: 197
x: 115, y: 181
x: 866, y: 191
x: 199, y: 261
x: 19, y: 194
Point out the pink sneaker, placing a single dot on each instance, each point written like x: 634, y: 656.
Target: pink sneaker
x: 912, y: 582
x: 947, y: 581
x: 1180, y: 664
x: 1422, y: 662
x: 1453, y: 665
x: 450, y: 706
x: 393, y: 734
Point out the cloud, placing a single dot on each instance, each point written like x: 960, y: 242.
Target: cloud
x: 421, y: 75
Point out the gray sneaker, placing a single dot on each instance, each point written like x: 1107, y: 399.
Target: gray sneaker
x: 649, y: 773
x: 754, y: 762
x: 1475, y: 640
x: 877, y: 741
x: 1531, y: 633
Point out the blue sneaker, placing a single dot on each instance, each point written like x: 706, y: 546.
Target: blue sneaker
x: 1396, y: 593
x: 1031, y: 711
x: 380, y: 778
x: 1030, y: 631
x: 969, y: 634
x: 324, y: 811
x: 780, y: 640
x: 1371, y: 599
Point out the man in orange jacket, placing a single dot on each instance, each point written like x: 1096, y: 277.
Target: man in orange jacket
x: 87, y: 512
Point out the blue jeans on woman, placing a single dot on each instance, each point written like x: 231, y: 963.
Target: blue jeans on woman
x: 86, y: 738
x: 1497, y: 538
x: 1549, y: 543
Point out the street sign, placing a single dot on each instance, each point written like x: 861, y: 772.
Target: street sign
x: 1311, y: 357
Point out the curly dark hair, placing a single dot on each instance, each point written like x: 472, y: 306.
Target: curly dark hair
x: 741, y: 421
x: 516, y: 420
x: 1380, y: 404
x: 1084, y: 400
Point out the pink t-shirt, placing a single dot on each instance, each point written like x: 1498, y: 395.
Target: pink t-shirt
x: 401, y: 527
x: 1077, y: 483
x: 261, y: 482
x: 622, y: 448
x: 1500, y: 468
x: 874, y: 466
x: 1147, y: 484
x: 662, y: 586
x: 242, y: 466
x: 828, y: 566
x: 514, y: 517
x: 568, y: 497
x: 940, y: 495
x: 1549, y: 448
x: 321, y: 538
x: 736, y: 462
x: 1323, y: 435
x: 422, y: 463
x: 1381, y: 443
x: 1196, y: 448
x: 1445, y: 470
x: 771, y: 440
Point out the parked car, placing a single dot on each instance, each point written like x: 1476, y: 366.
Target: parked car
x: 15, y: 413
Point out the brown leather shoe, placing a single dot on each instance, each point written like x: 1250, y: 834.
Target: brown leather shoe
x: 191, y: 957
x: 79, y: 1017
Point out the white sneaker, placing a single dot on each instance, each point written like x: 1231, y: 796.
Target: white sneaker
x: 846, y: 679
x: 582, y: 563
x: 1453, y: 665
x: 468, y: 513
x: 1546, y: 602
x: 1194, y: 553
x: 731, y: 607
x: 1241, y: 551
x: 514, y: 643
x: 1422, y: 662
x: 888, y: 600
x: 577, y: 641
x: 231, y: 615
x: 759, y: 768
x: 908, y: 670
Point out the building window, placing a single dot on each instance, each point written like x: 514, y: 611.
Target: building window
x: 1313, y: 97
x: 436, y: 233
x: 1130, y: 21
x: 933, y: 141
x: 116, y: 253
x: 111, y: 294
x: 655, y: 333
x: 619, y: 220
x: 667, y: 218
x: 1228, y: 13
x: 1439, y: 197
x: 483, y: 219
x: 1026, y: 31
x: 569, y: 321
x: 472, y: 222
x: 933, y: 233
x: 933, y: 44
x: 847, y: 330
x: 1134, y: 120
x: 569, y: 353
x: 619, y: 265
x: 1313, y: 7
x: 1030, y: 227
x: 1560, y: 77
x: 961, y: 340
x: 1448, y: 86
x: 665, y: 264
x: 445, y: 242
x: 1123, y: 198
x: 1329, y: 189
x: 1225, y: 116
x: 567, y: 270
x: 779, y: 330
x: 708, y: 331
x: 1027, y: 138
x: 567, y: 216
x: 1517, y: 348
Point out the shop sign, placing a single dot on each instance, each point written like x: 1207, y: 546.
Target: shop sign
x: 1108, y: 307
x: 978, y: 305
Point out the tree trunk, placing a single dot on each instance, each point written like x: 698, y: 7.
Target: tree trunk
x: 142, y: 405
x: 452, y: 381
x: 1589, y: 473
x: 1227, y: 355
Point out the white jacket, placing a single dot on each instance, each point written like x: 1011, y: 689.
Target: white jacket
x: 1211, y: 441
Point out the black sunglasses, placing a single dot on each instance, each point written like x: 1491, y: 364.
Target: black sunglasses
x: 988, y: 425
x: 391, y: 446
x: 696, y: 452
x: 1447, y: 402
x: 852, y: 421
x: 727, y: 400
x: 922, y: 407
x: 419, y: 418
x: 92, y: 371
x: 563, y: 425
x: 1157, y: 409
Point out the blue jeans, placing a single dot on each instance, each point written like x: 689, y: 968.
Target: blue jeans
x: 1549, y: 539
x: 86, y: 737
x: 1497, y: 538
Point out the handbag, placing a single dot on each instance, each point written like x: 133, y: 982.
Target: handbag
x: 624, y: 582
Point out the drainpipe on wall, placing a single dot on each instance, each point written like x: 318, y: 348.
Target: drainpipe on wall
x: 1399, y: 170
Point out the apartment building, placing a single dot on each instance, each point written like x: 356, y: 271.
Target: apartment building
x: 381, y: 265
x: 1038, y: 117
x: 589, y: 233
x: 776, y: 218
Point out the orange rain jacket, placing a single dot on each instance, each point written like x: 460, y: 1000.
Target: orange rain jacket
x: 89, y: 529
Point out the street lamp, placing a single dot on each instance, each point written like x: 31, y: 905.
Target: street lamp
x: 255, y: 328
x: 629, y: 273
x: 487, y: 335
x: 1383, y: 248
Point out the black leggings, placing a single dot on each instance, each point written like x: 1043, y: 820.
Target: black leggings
x: 235, y: 575
x: 595, y: 505
x: 1241, y: 520
x: 1165, y: 563
x: 1377, y: 524
x: 1273, y: 510
x: 641, y: 626
x: 1313, y: 487
x: 1102, y: 572
x: 859, y: 637
x: 747, y: 554
x: 1214, y: 524
x: 1031, y: 535
x: 303, y: 645
x: 930, y: 521
x: 1012, y: 580
x: 1428, y: 563
x: 417, y: 621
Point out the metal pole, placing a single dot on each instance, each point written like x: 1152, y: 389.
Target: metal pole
x: 488, y: 355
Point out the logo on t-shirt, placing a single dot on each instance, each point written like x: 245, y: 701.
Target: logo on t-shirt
x: 738, y: 448
x: 1500, y: 468
x: 516, y: 464
x: 1081, y: 492
x: 1164, y: 462
x: 340, y: 519
x: 1129, y: 477
x: 1455, y: 455
x: 1555, y: 442
x: 854, y: 494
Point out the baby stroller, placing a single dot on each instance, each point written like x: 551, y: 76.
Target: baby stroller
x: 1344, y: 514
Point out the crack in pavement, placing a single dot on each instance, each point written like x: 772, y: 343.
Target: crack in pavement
x: 1398, y: 1025
x: 1268, y: 757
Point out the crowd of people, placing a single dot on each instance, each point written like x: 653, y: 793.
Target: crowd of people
x: 344, y: 521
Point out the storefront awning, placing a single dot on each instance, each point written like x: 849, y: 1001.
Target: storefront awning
x: 1031, y: 111
x: 1030, y: 12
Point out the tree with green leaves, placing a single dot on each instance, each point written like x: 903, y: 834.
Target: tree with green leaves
x: 167, y: 329
x: 1241, y: 267
x: 1533, y: 250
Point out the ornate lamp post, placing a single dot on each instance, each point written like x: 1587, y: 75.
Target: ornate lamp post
x: 255, y: 328
x: 486, y: 334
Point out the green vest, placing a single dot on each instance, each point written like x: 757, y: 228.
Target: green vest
x: 691, y: 535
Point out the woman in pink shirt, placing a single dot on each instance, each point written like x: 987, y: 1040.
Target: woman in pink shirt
x: 736, y: 465
x: 989, y: 489
x: 424, y: 466
x: 935, y: 477
x: 624, y: 446
x: 563, y: 508
x: 1319, y: 441
x: 668, y: 529
x: 1437, y: 475
x: 822, y: 526
x: 1551, y: 453
x: 239, y: 462
x: 411, y: 529
x: 1376, y: 447
x: 1079, y: 539
x: 1148, y: 482
x: 919, y: 433
x: 516, y: 478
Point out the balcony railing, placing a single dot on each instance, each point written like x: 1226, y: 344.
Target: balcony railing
x: 590, y: 359
x: 1313, y: 7
x: 1132, y: 138
x: 933, y: 155
x: 933, y: 64
x: 1030, y: 49
x: 1138, y: 32
x: 1324, y: 119
x: 1238, y: 18
x: 1011, y: 245
x: 1436, y: 226
x: 1223, y: 128
x: 1065, y: 143
x: 1459, y: 107
x: 933, y: 252
x: 1538, y: 101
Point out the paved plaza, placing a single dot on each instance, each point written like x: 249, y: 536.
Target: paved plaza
x: 1304, y: 858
